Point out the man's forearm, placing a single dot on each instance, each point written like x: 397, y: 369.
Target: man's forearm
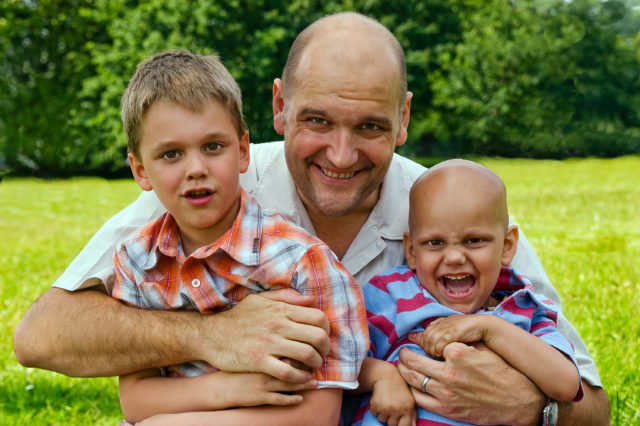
x: 593, y: 409
x: 89, y: 334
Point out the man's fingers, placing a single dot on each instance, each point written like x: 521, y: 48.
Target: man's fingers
x: 288, y: 295
x: 285, y: 372
x: 414, y: 367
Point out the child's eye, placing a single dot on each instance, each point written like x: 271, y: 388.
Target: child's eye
x: 475, y: 241
x: 434, y: 243
x: 214, y: 146
x: 170, y: 155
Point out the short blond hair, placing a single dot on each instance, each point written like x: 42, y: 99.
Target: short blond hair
x: 184, y: 78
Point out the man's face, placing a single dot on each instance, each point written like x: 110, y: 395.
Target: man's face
x: 341, y: 125
x: 192, y: 160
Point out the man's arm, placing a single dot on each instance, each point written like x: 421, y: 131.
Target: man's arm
x: 549, y: 368
x: 319, y: 407
x: 476, y: 385
x: 88, y: 333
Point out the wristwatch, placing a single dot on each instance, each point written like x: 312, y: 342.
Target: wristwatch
x: 550, y: 413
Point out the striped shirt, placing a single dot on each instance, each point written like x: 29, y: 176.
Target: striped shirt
x: 397, y: 304
x: 261, y: 251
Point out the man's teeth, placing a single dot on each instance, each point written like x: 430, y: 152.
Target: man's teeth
x: 338, y: 175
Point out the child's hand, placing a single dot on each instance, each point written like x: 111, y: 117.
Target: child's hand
x: 252, y: 389
x: 455, y: 328
x: 392, y: 402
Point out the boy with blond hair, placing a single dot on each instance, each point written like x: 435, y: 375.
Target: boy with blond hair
x: 187, y: 141
x: 457, y: 287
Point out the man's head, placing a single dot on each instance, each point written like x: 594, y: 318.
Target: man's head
x: 183, y: 78
x: 187, y: 141
x: 343, y: 107
x: 459, y: 234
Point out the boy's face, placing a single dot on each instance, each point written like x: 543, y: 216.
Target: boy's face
x: 456, y: 245
x: 192, y: 160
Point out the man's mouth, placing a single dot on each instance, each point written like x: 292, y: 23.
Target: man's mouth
x: 458, y: 285
x: 336, y: 175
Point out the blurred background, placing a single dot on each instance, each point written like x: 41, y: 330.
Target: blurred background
x: 520, y: 78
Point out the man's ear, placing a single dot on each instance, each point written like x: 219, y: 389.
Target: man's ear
x: 408, y: 250
x: 510, y: 245
x: 404, y: 120
x: 245, y: 150
x: 278, y: 106
x: 139, y: 173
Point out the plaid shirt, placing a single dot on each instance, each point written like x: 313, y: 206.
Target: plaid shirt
x: 261, y: 251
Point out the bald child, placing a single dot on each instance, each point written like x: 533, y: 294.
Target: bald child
x: 457, y: 287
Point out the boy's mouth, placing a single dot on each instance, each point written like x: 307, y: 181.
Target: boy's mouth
x: 457, y: 286
x: 197, y: 194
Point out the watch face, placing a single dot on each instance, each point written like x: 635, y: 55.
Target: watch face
x: 550, y: 414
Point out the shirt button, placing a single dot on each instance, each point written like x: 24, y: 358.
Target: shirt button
x: 195, y: 283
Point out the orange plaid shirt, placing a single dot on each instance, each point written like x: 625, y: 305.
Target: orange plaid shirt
x: 261, y: 251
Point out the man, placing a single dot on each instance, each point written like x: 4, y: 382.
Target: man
x: 343, y: 107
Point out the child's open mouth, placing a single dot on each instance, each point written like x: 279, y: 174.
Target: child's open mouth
x: 457, y: 286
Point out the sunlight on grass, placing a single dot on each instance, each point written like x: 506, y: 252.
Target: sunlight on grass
x: 582, y: 217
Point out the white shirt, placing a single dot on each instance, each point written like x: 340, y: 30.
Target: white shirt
x: 376, y: 248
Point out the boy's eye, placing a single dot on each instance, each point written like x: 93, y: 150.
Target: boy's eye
x: 170, y: 155
x: 475, y: 241
x: 214, y: 146
x: 434, y: 243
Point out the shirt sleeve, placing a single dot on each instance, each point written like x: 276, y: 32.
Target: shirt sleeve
x: 94, y: 265
x: 527, y: 262
x: 339, y: 296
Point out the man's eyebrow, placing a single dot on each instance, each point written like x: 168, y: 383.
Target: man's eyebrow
x: 311, y: 111
x: 377, y: 119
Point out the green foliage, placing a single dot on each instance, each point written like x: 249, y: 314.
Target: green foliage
x: 516, y: 78
x: 542, y: 79
x: 563, y: 207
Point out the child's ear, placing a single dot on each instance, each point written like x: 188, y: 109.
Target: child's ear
x: 139, y: 173
x: 245, y: 149
x: 408, y: 250
x: 510, y: 245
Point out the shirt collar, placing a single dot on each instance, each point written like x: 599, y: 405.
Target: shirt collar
x: 241, y: 241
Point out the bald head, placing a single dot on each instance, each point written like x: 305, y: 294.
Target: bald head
x: 472, y: 184
x: 350, y: 41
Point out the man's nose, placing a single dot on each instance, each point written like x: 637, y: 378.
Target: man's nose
x: 342, y: 151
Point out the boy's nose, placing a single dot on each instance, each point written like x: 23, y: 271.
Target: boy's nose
x: 196, y: 167
x: 454, y: 256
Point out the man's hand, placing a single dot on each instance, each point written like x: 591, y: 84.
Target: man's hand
x: 473, y: 385
x: 263, y: 330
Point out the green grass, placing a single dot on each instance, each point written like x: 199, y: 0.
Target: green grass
x: 582, y: 217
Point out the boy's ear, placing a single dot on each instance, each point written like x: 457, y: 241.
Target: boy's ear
x: 139, y: 173
x: 510, y: 245
x: 245, y: 149
x: 408, y: 250
x: 278, y: 106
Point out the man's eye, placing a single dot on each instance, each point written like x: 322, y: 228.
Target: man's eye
x: 318, y: 120
x: 370, y: 126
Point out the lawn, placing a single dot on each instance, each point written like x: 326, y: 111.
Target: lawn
x: 582, y: 217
